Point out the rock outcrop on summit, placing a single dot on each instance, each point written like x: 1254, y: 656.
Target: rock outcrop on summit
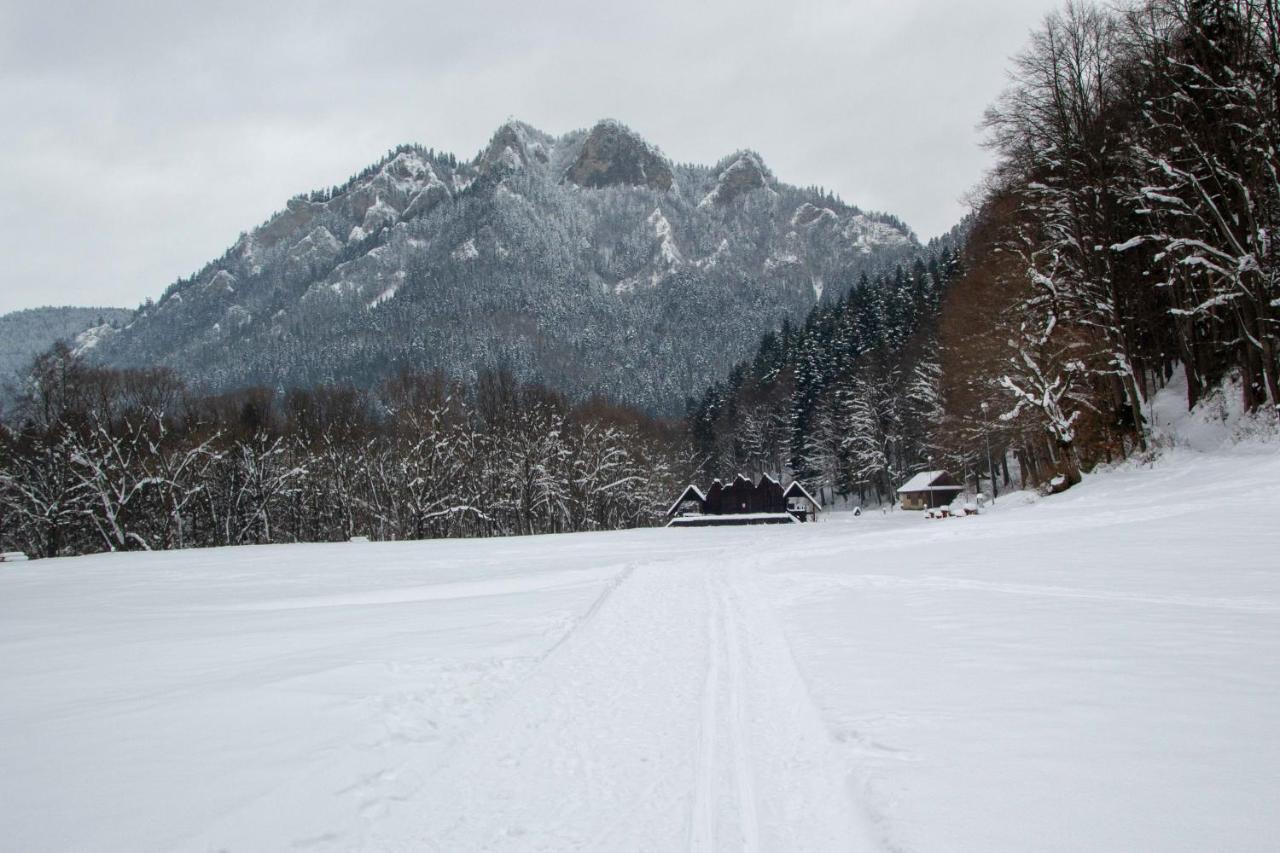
x: 743, y: 173
x: 612, y: 155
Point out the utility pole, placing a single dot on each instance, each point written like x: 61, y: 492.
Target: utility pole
x: 986, y: 435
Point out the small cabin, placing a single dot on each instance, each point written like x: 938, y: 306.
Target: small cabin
x: 691, y: 502
x: 743, y: 502
x: 928, y: 490
x: 800, y: 503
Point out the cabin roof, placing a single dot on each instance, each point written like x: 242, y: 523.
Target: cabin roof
x: 796, y: 486
x: 923, y: 482
x: 684, y: 496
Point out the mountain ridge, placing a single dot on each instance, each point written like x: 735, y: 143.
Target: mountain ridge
x: 588, y: 261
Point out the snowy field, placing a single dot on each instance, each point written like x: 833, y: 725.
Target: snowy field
x: 1094, y: 671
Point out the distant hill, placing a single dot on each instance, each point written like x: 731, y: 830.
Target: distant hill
x: 23, y: 334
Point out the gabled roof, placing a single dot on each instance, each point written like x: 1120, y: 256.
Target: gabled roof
x: 684, y: 496
x: 798, y: 490
x: 923, y: 482
x: 767, y: 484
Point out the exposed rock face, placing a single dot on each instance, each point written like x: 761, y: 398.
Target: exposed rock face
x: 319, y: 246
x: 514, y: 146
x: 505, y: 151
x: 808, y: 214
x: 612, y: 156
x: 297, y: 215
x: 744, y: 173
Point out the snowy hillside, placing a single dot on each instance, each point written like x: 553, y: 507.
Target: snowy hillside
x: 587, y: 261
x: 1092, y: 671
x: 24, y: 334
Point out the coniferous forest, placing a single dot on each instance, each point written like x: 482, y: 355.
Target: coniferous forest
x: 1126, y: 235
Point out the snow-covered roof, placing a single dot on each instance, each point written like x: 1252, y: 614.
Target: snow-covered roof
x: 923, y: 482
x: 684, y: 496
x: 734, y: 518
x: 796, y: 486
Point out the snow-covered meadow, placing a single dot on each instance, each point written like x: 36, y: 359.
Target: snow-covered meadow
x: 1098, y: 670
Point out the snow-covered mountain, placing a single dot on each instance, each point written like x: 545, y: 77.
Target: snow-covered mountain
x: 590, y: 262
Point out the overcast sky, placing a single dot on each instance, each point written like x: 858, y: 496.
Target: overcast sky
x: 137, y: 140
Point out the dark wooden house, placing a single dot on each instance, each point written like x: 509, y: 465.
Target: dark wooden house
x: 743, y: 502
x: 929, y: 489
x: 741, y: 496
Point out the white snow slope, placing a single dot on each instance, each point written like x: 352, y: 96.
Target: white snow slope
x: 1094, y: 671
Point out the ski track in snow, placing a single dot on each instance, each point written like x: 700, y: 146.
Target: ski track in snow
x: 674, y: 703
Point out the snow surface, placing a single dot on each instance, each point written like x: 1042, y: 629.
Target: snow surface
x: 320, y: 243
x: 773, y: 262
x: 1097, y: 670
x: 713, y: 259
x: 409, y: 173
x: 388, y: 292
x: 812, y: 215
x: 91, y: 337
x: 867, y: 234
x: 667, y: 248
x: 734, y: 518
x: 377, y: 215
x: 466, y: 251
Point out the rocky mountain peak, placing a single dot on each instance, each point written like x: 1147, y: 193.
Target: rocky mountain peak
x: 740, y: 174
x: 614, y: 155
x: 514, y: 145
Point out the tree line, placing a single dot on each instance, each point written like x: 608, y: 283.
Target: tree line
x: 1126, y: 234
x: 108, y: 459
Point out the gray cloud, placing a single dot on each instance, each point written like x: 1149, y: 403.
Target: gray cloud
x: 139, y: 139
